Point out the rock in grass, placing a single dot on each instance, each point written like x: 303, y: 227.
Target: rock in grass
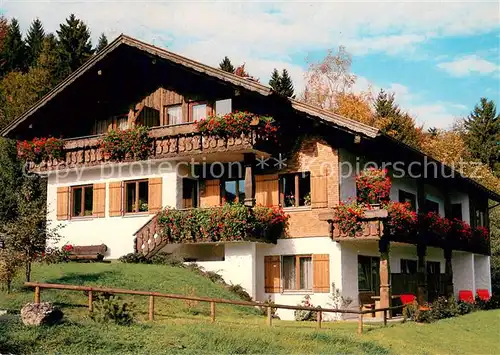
x: 40, y: 314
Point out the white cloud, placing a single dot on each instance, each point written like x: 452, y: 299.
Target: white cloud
x: 469, y: 64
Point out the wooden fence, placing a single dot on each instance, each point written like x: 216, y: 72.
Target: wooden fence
x: 213, y: 301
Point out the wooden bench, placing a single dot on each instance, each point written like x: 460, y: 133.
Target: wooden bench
x: 88, y: 252
x: 366, y: 301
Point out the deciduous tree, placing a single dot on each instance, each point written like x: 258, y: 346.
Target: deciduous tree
x: 355, y: 106
x: 328, y: 77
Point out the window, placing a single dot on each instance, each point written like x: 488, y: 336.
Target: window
x: 136, y: 196
x: 295, y: 189
x: 431, y: 206
x: 114, y: 122
x: 198, y: 111
x: 189, y: 193
x: 456, y: 211
x: 479, y: 218
x: 223, y: 107
x: 368, y: 274
x: 82, y: 198
x: 408, y: 267
x: 433, y: 268
x: 297, y: 272
x: 173, y: 114
x: 408, y: 197
x: 234, y: 190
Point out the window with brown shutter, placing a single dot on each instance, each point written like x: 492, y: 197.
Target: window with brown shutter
x: 82, y: 201
x: 321, y: 273
x: 267, y: 190
x: 99, y: 201
x: 210, y: 193
x: 115, y: 198
x: 155, y: 194
x: 319, y: 192
x: 62, y: 212
x: 272, y: 274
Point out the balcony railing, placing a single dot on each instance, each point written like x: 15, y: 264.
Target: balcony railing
x: 226, y: 223
x: 167, y: 142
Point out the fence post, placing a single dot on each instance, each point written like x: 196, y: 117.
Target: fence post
x: 90, y: 301
x: 151, y: 307
x: 385, y: 317
x: 269, y: 316
x: 37, y: 294
x: 360, y: 320
x: 212, y: 311
x: 319, y: 318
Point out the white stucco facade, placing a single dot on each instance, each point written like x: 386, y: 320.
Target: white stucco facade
x: 116, y: 232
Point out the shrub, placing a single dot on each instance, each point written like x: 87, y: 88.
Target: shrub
x: 240, y: 292
x: 373, y: 186
x: 112, y: 310
x: 263, y: 309
x: 162, y: 258
x: 465, y: 307
x: 305, y: 315
x: 133, y: 258
x: 444, y: 308
x: 10, y: 263
x: 55, y: 255
x: 133, y: 143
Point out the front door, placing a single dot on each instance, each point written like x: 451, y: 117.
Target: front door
x: 433, y: 280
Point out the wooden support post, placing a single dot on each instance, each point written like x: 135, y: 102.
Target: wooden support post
x: 360, y: 320
x: 319, y: 318
x: 212, y: 311
x: 90, y: 301
x: 249, y: 163
x: 151, y: 308
x: 422, y: 295
x: 385, y: 317
x: 448, y: 272
x: 385, y: 273
x: 269, y: 316
x: 37, y: 294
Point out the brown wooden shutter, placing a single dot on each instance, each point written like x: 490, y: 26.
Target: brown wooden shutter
x: 115, y: 198
x: 321, y: 273
x: 319, y: 192
x: 99, y: 201
x: 210, y: 195
x: 267, y: 190
x: 63, y: 203
x: 155, y: 194
x: 272, y: 274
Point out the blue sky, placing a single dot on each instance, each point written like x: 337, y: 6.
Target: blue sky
x: 438, y: 57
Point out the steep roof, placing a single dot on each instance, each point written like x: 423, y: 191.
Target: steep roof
x: 327, y: 117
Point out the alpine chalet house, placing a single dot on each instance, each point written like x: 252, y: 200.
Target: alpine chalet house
x: 147, y: 151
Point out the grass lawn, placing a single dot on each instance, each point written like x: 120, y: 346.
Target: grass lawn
x: 185, y: 328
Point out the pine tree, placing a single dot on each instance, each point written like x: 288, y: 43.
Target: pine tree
x: 74, y: 44
x: 226, y: 65
x: 103, y: 42
x: 275, y: 81
x: 4, y: 29
x: 34, y: 41
x: 13, y: 53
x: 286, y: 85
x: 483, y: 133
x: 48, y: 60
x: 385, y: 106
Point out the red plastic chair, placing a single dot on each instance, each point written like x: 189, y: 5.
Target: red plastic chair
x: 466, y: 296
x: 407, y: 298
x: 483, y: 294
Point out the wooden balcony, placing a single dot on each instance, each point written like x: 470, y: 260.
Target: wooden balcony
x: 373, y: 226
x: 167, y: 142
